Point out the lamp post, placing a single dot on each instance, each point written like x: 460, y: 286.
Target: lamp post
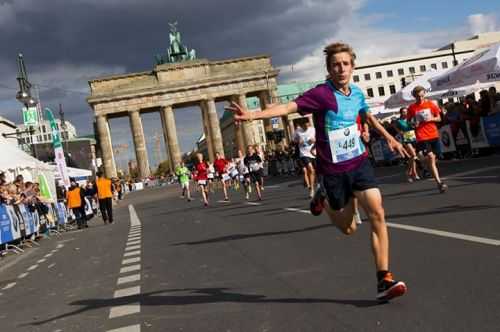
x: 455, y: 62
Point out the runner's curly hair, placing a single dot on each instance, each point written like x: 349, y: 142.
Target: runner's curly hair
x: 335, y: 48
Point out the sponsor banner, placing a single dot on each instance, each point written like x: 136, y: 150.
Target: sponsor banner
x: 446, y: 139
x: 61, y: 213
x: 491, y: 125
x: 15, y: 224
x: 477, y: 136
x: 7, y: 234
x: 28, y: 220
x: 377, y: 150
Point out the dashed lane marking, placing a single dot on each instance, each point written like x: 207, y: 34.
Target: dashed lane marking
x: 41, y: 260
x: 134, y: 219
x: 8, y: 286
x: 132, y: 253
x: 131, y: 291
x: 124, y: 310
x: 130, y: 268
x: 253, y: 203
x: 51, y: 265
x: 135, y: 247
x: 133, y: 242
x: 32, y: 267
x: 131, y: 278
x: 23, y: 275
x: 131, y: 260
x: 131, y: 328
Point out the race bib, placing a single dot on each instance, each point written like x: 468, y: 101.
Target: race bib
x: 234, y: 173
x: 345, y: 144
x: 210, y: 176
x: 423, y: 115
x: 225, y: 177
x: 202, y: 182
x: 254, y: 167
x: 409, y: 136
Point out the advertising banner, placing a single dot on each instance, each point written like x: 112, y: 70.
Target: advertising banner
x: 491, y: 125
x: 28, y: 220
x: 58, y: 149
x: 15, y: 224
x: 6, y: 232
x: 446, y: 139
x: 477, y: 137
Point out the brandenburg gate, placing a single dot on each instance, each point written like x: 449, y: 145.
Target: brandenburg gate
x: 172, y: 85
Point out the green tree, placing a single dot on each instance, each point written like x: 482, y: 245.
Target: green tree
x: 163, y: 168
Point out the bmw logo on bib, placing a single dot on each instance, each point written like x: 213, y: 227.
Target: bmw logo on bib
x: 347, y: 132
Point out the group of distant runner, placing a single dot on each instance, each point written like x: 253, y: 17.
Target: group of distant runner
x: 245, y: 171
x: 333, y: 155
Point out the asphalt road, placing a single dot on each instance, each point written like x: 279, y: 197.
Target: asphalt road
x: 169, y: 265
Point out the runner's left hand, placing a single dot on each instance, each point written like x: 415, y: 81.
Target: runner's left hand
x: 395, y: 146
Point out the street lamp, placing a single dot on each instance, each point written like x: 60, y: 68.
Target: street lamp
x: 455, y: 62
x: 24, y: 93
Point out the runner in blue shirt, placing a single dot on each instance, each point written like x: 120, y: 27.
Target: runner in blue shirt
x: 345, y: 173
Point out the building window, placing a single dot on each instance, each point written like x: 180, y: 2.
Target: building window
x: 444, y: 65
x: 44, y: 130
x: 378, y: 75
x: 45, y: 138
x: 401, y: 71
x: 381, y: 91
x: 367, y: 77
x: 422, y: 68
x: 390, y: 73
x: 369, y: 92
x: 356, y: 78
x: 434, y: 66
x: 412, y: 70
x: 392, y: 89
x: 50, y: 137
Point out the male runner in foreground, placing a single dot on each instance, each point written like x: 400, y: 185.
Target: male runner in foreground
x: 345, y: 172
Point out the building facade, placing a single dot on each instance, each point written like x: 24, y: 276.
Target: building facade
x: 43, y: 133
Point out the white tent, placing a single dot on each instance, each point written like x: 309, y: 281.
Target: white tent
x: 483, y: 67
x: 77, y: 173
x: 14, y: 161
x: 404, y: 97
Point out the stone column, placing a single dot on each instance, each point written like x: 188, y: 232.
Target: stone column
x: 165, y: 138
x: 108, y: 159
x: 247, y: 128
x: 264, y: 100
x: 207, y: 131
x: 239, y: 135
x: 213, y: 120
x: 170, y: 130
x: 141, y: 152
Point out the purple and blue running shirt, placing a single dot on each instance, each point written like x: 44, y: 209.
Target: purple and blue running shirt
x: 336, y: 117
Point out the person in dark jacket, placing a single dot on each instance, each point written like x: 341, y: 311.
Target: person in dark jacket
x: 75, y: 200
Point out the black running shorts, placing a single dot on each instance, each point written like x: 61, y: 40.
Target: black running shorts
x: 427, y: 147
x: 339, y: 188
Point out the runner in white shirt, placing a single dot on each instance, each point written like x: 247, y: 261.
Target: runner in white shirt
x: 304, y: 136
x: 211, y: 177
x: 258, y: 150
x: 244, y: 174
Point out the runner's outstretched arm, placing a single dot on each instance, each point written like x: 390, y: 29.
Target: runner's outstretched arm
x: 241, y: 113
x: 394, y: 145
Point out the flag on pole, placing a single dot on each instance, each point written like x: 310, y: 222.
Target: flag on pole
x: 58, y: 149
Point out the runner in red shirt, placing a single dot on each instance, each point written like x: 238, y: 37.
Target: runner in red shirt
x: 220, y: 165
x: 202, y: 177
x: 425, y: 114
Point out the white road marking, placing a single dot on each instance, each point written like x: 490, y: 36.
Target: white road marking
x: 41, y: 260
x: 32, y: 267
x: 459, y: 236
x: 48, y: 255
x: 22, y: 275
x: 272, y: 187
x: 130, y: 243
x: 130, y: 268
x: 8, y: 286
x: 131, y: 291
x: 131, y: 328
x: 129, y: 248
x: 253, y: 203
x: 131, y: 260
x: 59, y: 246
x: 134, y: 233
x: 132, y: 253
x: 51, y: 265
x: 298, y: 210
x: 131, y: 278
x: 431, y: 231
x: 135, y: 237
x: 124, y: 310
x: 134, y: 219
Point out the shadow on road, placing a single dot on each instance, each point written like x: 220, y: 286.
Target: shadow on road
x: 196, y: 296
x: 235, y: 237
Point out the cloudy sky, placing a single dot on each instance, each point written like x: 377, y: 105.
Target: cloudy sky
x: 67, y: 42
